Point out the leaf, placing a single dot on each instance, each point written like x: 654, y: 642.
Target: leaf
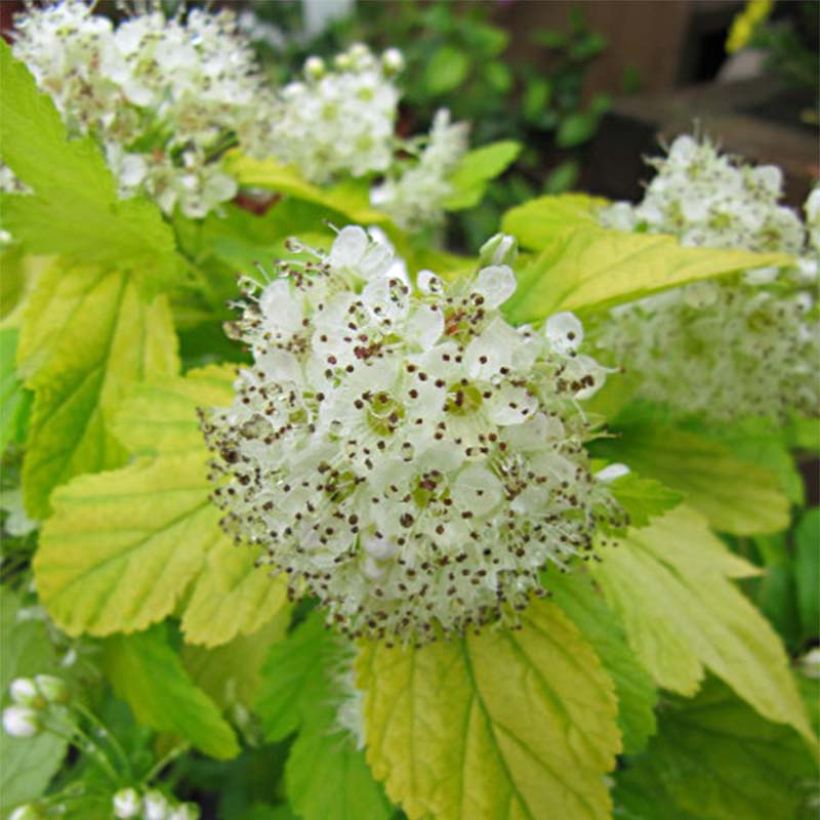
x: 716, y: 759
x: 536, y: 222
x: 283, y: 179
x: 85, y: 337
x: 592, y: 268
x: 669, y: 583
x: 577, y: 128
x: 643, y: 498
x: 146, y: 672
x: 160, y: 416
x: 121, y: 547
x: 446, y: 71
x: 476, y: 169
x: 509, y: 724
x: 28, y: 763
x: 14, y: 398
x: 807, y: 571
x: 637, y: 696
x: 736, y: 496
x: 75, y: 209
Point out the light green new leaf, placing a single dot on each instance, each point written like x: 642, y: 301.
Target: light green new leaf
x: 669, y: 583
x: 14, y: 398
x: 283, y: 179
x: 146, y: 672
x: 508, y: 724
x: 736, y: 496
x: 476, y: 168
x: 643, y: 498
x: 535, y: 223
x: 807, y: 572
x: 121, y: 547
x: 85, y: 337
x: 716, y: 759
x: 75, y: 209
x: 578, y: 598
x: 590, y: 268
x: 28, y: 764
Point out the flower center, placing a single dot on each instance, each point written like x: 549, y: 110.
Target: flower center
x: 384, y: 414
x: 462, y: 399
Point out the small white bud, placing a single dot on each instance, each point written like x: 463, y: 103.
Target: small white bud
x: 155, y: 806
x: 24, y: 692
x: 27, y: 811
x: 52, y: 688
x: 126, y: 803
x: 314, y: 68
x: 810, y: 664
x: 393, y: 61
x: 185, y: 811
x: 21, y: 721
x: 501, y: 249
x: 343, y: 62
x: 611, y: 472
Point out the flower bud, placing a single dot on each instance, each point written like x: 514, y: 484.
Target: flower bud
x: 185, y: 811
x: 392, y: 61
x: 155, y: 806
x: 315, y: 68
x: 126, y: 803
x: 27, y: 811
x: 24, y: 692
x: 21, y: 721
x: 52, y: 688
x: 501, y: 249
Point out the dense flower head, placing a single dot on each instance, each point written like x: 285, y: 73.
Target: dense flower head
x: 400, y: 451
x: 163, y: 95
x: 747, y: 345
x: 341, y: 119
x: 414, y: 193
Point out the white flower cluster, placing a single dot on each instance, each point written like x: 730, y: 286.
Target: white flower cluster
x: 164, y: 96
x: 415, y: 197
x: 151, y: 805
x: 748, y: 345
x: 403, y: 453
x: 340, y: 120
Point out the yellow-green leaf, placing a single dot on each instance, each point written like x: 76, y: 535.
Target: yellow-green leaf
x: 589, y: 268
x: 75, y: 209
x: 736, y: 496
x: 476, y: 168
x: 669, y: 583
x: 508, y: 724
x: 85, y: 336
x: 146, y: 672
x: 121, y: 547
x: 536, y: 222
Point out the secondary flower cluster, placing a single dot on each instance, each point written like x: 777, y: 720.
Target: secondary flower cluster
x: 747, y: 345
x: 162, y: 95
x: 151, y: 805
x: 402, y: 452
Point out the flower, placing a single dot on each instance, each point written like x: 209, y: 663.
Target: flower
x: 155, y: 805
x: 746, y: 345
x: 402, y: 452
x: 24, y: 692
x: 126, y: 803
x: 338, y: 121
x: 28, y: 811
x: 415, y: 196
x: 21, y: 721
x: 163, y: 95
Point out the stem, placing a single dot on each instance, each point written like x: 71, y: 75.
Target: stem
x: 98, y: 755
x: 104, y: 732
x: 165, y: 760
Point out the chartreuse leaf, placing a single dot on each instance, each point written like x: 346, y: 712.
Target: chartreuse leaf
x: 28, y: 764
x: 75, y: 209
x: 736, y: 496
x: 86, y: 335
x: 669, y: 583
x: 807, y: 572
x: 146, y: 672
x: 586, y: 608
x: 536, y: 222
x: 643, y: 498
x: 714, y: 758
x: 507, y: 724
x: 351, y: 201
x: 589, y: 268
x: 476, y: 168
x: 326, y: 775
x: 14, y: 398
x: 122, y: 547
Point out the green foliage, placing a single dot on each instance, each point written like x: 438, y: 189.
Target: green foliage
x: 643, y: 498
x: 669, y: 583
x: 14, y: 398
x: 27, y: 764
x: 476, y: 169
x: 75, y: 209
x: 807, y: 572
x: 716, y: 759
x: 501, y: 725
x: 147, y: 673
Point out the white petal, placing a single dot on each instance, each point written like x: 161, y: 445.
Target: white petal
x: 424, y: 327
x: 496, y: 284
x: 564, y: 332
x: 475, y: 487
x: 348, y: 247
